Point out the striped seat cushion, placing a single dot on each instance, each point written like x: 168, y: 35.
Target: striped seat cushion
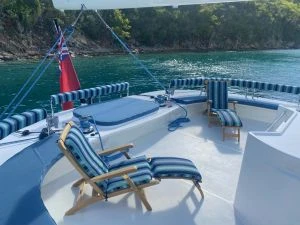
x: 171, y: 167
x: 19, y: 121
x: 140, y: 162
x: 84, y: 155
x: 228, y: 117
x: 142, y: 176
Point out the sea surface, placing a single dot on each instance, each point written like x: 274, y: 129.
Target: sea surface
x: 276, y: 66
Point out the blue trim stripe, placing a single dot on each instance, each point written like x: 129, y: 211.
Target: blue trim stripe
x: 21, y: 201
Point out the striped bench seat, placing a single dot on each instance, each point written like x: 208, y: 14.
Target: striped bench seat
x: 19, y: 121
x: 172, y: 167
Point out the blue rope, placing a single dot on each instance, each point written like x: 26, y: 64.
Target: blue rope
x: 130, y: 52
x: 177, y: 123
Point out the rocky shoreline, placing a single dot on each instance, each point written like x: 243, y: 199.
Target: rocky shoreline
x: 34, y: 55
x: 30, y: 48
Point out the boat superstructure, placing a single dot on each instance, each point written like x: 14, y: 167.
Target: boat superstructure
x: 226, y: 166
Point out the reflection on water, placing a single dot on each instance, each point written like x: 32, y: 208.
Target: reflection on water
x: 280, y: 66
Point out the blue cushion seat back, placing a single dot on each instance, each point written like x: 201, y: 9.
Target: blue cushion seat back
x: 19, y: 121
x: 172, y: 167
x: 218, y: 94
x: 86, y: 158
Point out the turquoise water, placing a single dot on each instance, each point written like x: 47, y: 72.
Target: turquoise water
x: 279, y: 66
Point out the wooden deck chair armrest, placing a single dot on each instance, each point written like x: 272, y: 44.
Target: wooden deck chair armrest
x: 115, y: 173
x: 116, y: 149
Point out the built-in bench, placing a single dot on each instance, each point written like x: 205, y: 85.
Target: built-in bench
x: 19, y: 121
x: 89, y: 93
x: 247, y: 86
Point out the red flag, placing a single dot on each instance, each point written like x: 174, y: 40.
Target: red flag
x: 68, y: 76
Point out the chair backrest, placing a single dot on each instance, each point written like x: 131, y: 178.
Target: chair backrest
x: 217, y: 92
x: 89, y: 164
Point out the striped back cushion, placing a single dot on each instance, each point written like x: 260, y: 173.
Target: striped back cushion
x: 263, y: 86
x: 89, y: 93
x: 218, y: 94
x: 187, y: 82
x: 19, y: 121
x: 86, y: 158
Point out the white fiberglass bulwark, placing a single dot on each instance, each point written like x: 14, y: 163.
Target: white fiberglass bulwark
x: 121, y: 4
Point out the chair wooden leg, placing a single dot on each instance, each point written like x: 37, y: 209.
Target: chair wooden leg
x: 81, y: 192
x: 239, y: 134
x: 139, y: 192
x: 143, y: 197
x: 78, y: 183
x: 81, y: 204
x: 199, y: 188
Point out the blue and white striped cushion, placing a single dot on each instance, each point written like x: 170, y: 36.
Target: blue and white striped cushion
x: 19, y: 121
x: 140, y: 162
x: 172, y: 167
x: 85, y: 156
x: 142, y: 176
x: 228, y: 117
x: 89, y: 93
x: 218, y: 94
x: 187, y: 82
x: 263, y: 86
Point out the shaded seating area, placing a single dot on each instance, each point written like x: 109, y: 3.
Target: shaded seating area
x: 217, y: 105
x: 130, y: 175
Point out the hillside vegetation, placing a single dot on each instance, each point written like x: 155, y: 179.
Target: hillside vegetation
x: 26, y: 27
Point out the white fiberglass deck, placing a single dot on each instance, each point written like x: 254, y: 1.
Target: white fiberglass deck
x: 173, y: 201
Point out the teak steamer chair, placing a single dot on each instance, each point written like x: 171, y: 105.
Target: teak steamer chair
x: 131, y: 175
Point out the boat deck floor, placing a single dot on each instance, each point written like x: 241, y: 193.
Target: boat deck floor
x: 173, y: 201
